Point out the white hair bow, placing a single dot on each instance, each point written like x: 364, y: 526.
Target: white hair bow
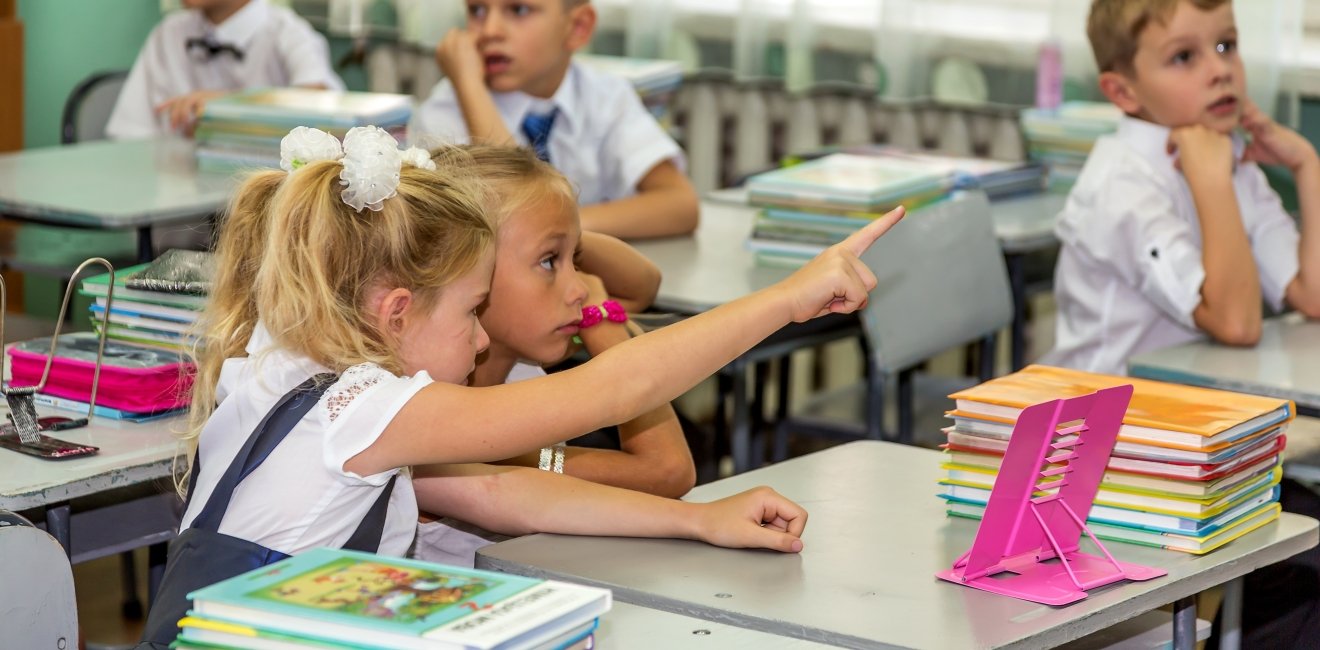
x: 370, y: 156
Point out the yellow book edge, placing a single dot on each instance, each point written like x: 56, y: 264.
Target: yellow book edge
x: 957, y: 413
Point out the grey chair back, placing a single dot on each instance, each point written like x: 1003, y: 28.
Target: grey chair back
x: 88, y: 108
x: 36, y: 588
x: 941, y: 283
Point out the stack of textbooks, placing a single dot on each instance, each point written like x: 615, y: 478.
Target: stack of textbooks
x: 657, y: 81
x: 155, y: 304
x: 1062, y: 138
x: 243, y: 130
x: 810, y: 206
x: 1193, y: 468
x: 339, y: 599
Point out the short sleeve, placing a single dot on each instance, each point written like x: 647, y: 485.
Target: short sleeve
x: 134, y: 114
x: 635, y: 143
x: 438, y: 119
x: 357, y: 408
x: 1274, y: 237
x: 306, y: 55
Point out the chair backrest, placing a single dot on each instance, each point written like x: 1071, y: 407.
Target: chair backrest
x: 88, y: 108
x: 941, y: 283
x: 36, y: 588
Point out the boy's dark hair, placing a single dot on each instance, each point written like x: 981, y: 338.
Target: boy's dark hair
x: 1114, y: 27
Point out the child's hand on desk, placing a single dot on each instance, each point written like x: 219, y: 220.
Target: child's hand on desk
x: 757, y: 518
x: 837, y: 281
x: 459, y: 58
x: 1203, y: 153
x: 1273, y: 143
x: 184, y: 110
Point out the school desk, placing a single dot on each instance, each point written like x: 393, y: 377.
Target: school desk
x: 875, y: 538
x: 1284, y: 364
x: 111, y: 185
x: 643, y: 628
x: 101, y: 504
x: 1024, y: 225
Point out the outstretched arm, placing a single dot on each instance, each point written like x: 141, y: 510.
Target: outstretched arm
x: 665, y: 205
x: 445, y: 423
x: 520, y: 501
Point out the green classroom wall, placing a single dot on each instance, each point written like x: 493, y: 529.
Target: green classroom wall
x: 65, y: 41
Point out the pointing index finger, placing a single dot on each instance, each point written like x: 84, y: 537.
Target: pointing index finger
x: 861, y: 240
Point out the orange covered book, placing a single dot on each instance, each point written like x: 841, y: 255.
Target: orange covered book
x: 1160, y: 414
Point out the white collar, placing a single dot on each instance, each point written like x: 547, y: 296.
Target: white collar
x: 1151, y: 140
x: 239, y: 29
x: 519, y: 104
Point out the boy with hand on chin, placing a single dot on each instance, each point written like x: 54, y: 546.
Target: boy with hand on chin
x: 511, y: 79
x: 212, y: 48
x: 1172, y: 232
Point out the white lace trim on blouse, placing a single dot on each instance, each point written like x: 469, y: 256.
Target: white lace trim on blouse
x: 353, y: 382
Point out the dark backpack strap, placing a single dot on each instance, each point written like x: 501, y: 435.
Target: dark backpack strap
x: 272, y: 430
x: 367, y: 536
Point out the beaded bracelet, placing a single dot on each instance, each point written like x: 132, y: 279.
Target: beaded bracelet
x: 612, y: 311
x: 552, y: 459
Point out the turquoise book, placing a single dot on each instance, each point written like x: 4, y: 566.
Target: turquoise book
x: 370, y: 601
x: 849, y: 182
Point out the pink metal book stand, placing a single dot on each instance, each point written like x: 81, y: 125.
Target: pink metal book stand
x: 1027, y: 545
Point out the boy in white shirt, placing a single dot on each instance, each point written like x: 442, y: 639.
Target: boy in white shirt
x: 213, y: 48
x: 1172, y: 232
x: 511, y: 78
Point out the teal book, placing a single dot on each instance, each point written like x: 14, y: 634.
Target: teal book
x: 371, y: 601
x: 848, y: 181
x: 310, y: 107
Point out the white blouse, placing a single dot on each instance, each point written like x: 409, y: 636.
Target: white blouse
x: 301, y: 497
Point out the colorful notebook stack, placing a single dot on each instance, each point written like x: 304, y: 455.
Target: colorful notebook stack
x: 1193, y: 468
x: 339, y: 599
x: 810, y: 206
x: 1062, y: 138
x: 154, y: 304
x: 244, y: 130
x: 656, y: 80
x: 136, y: 384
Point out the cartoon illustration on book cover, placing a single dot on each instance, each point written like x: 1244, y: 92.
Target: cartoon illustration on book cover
x: 376, y: 590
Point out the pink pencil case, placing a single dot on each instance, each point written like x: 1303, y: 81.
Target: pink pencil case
x: 135, y: 379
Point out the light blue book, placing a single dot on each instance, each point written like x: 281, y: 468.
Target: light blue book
x: 374, y: 601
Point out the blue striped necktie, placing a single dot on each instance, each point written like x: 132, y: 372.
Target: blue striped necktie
x: 537, y: 129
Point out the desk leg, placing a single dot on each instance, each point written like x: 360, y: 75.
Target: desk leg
x: 1184, y: 623
x: 740, y: 437
x: 1230, y: 616
x: 146, y: 252
x: 57, y: 524
x: 1017, y: 280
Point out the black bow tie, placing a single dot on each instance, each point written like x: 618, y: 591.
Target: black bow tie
x: 213, y: 49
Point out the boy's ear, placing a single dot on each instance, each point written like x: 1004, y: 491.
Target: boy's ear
x: 581, y: 25
x: 1118, y: 89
